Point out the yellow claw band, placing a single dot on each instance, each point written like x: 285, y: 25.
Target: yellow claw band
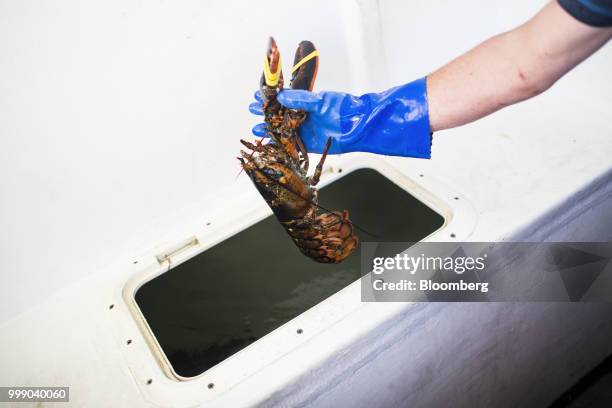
x: 272, y: 77
x: 304, y: 60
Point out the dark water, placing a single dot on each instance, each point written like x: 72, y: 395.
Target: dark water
x: 220, y: 301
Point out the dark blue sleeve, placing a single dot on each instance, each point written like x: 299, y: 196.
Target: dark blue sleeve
x: 597, y: 13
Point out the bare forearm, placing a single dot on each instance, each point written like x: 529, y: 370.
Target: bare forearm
x: 510, y: 67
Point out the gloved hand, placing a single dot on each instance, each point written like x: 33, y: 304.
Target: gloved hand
x: 394, y: 122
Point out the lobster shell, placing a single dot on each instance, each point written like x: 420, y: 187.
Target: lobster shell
x: 279, y: 169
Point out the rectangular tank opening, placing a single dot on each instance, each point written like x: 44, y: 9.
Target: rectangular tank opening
x: 220, y: 301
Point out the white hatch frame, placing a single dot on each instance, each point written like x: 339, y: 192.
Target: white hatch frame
x: 459, y: 221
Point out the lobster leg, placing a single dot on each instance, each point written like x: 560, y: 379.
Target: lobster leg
x: 314, y: 180
x: 304, y: 152
x: 255, y: 147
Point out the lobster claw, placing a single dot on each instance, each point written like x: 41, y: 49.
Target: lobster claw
x: 303, y: 76
x: 272, y: 77
x: 305, y: 66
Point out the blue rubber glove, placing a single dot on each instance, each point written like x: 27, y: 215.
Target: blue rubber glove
x: 394, y: 122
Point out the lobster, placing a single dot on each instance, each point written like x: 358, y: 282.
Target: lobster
x: 279, y: 169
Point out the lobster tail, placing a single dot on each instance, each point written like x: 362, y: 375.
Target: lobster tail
x: 329, y: 239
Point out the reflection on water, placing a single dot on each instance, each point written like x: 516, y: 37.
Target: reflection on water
x: 220, y: 301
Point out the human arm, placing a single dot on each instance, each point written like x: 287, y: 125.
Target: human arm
x: 510, y: 67
x: 501, y: 71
